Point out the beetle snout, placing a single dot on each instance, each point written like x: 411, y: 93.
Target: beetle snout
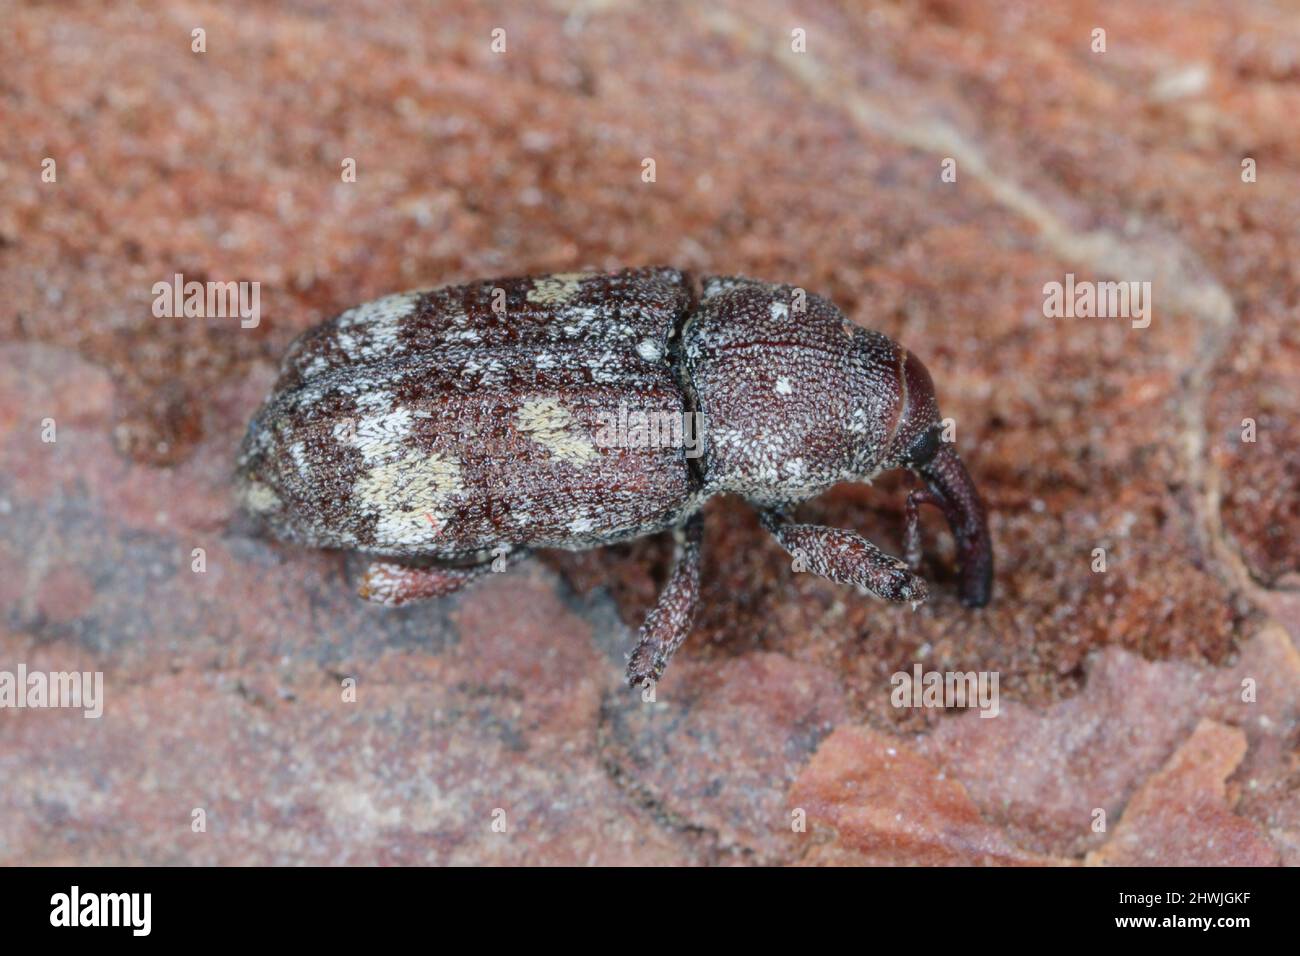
x: 955, y: 494
x: 918, y: 444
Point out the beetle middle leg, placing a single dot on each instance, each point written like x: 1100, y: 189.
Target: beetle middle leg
x: 847, y: 557
x: 669, y: 621
x: 395, y: 584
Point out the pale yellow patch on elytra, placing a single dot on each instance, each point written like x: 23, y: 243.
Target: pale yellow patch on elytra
x: 557, y: 288
x: 259, y: 499
x: 551, y: 425
x: 408, y: 493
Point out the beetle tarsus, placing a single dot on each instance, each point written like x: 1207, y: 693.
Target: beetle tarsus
x: 669, y: 621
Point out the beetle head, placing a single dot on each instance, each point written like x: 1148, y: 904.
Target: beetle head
x: 918, y: 431
x: 918, y: 443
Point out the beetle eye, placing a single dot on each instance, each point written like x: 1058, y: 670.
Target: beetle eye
x: 923, y: 447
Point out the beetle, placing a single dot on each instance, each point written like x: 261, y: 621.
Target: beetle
x: 450, y: 432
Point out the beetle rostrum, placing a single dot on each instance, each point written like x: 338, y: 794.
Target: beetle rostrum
x: 448, y: 433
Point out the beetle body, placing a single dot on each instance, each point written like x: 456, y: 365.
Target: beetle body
x: 441, y: 430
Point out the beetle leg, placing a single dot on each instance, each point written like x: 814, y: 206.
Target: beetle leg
x: 912, y: 528
x: 669, y: 621
x: 847, y: 557
x: 394, y: 584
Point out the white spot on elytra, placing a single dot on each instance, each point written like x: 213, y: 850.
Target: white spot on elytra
x: 783, y: 386
x: 369, y: 331
x: 551, y: 425
x: 260, y: 499
x: 377, y: 437
x: 408, y: 493
x: 557, y: 288
x: 780, y: 311
x: 298, y: 450
x: 649, y: 350
x: 405, y: 487
x: 384, y: 311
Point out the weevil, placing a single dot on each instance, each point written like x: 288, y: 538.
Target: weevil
x: 450, y: 432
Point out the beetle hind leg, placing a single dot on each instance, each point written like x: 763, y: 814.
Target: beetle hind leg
x: 669, y: 621
x: 394, y: 584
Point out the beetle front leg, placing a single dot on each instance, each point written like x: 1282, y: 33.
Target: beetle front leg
x: 846, y: 557
x: 912, y: 527
x: 395, y: 584
x: 669, y: 621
